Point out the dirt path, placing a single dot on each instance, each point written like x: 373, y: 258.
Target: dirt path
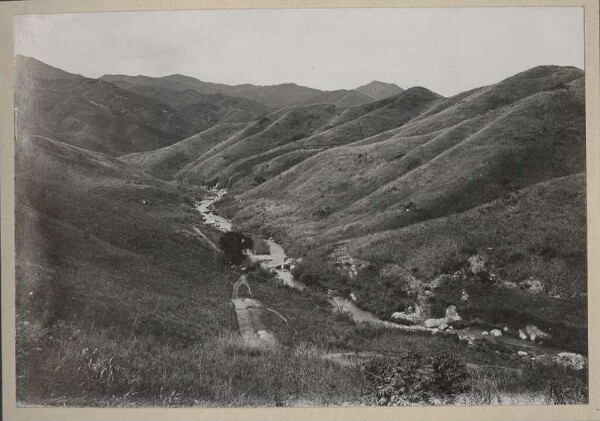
x: 248, y: 312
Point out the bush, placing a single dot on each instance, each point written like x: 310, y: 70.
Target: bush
x: 451, y: 376
x: 411, y: 379
x: 234, y: 244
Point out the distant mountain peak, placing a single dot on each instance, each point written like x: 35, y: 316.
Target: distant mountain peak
x: 379, y: 90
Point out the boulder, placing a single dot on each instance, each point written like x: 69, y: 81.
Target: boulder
x: 434, y: 323
x: 464, y: 296
x: 403, y: 318
x: 496, y: 332
x: 522, y: 354
x: 522, y: 334
x: 571, y: 360
x: 532, y: 285
x: 477, y: 263
x: 412, y: 315
x: 443, y: 327
x: 485, y: 333
x: 451, y: 314
x: 534, y: 333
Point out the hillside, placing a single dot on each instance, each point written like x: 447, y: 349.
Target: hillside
x: 459, y: 154
x: 106, y: 249
x: 379, y: 90
x: 297, y: 133
x: 91, y: 113
x: 166, y: 162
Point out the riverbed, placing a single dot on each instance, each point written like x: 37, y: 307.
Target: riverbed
x: 276, y: 261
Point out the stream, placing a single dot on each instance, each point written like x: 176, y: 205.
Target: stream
x: 278, y: 262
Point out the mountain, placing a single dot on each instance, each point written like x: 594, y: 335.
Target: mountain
x: 91, y: 113
x: 100, y: 116
x: 275, y: 96
x: 379, y: 90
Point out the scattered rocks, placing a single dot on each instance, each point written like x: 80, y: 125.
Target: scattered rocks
x: 532, y: 285
x: 571, y: 360
x: 496, y: 332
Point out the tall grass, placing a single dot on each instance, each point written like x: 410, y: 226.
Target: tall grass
x: 104, y: 367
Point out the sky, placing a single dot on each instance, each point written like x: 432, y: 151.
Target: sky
x: 445, y: 50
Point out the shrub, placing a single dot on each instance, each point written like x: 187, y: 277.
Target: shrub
x: 234, y: 244
x: 411, y: 378
x: 451, y: 376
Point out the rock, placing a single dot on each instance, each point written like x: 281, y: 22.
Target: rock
x: 532, y: 285
x: 477, y: 263
x: 443, y: 327
x: 433, y: 323
x: 522, y: 354
x: 464, y: 296
x: 571, y: 360
x: 450, y: 327
x: 505, y: 328
x: 522, y: 335
x: 412, y: 315
x: 496, y: 332
x: 403, y: 318
x: 353, y: 296
x: 452, y: 315
x: 534, y: 333
x: 509, y: 284
x: 485, y: 333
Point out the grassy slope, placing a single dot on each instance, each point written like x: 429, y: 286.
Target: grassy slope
x: 302, y: 128
x: 474, y: 149
x: 165, y: 162
x: 93, y: 257
x: 539, y: 231
x: 94, y: 114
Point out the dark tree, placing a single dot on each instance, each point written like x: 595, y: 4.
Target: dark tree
x: 233, y: 244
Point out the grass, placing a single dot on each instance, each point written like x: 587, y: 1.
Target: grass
x: 106, y: 367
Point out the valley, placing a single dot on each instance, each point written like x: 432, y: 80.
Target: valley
x: 388, y: 226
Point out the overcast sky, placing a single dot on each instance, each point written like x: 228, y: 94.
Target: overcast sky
x: 445, y: 50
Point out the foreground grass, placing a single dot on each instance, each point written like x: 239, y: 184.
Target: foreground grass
x: 104, y: 367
